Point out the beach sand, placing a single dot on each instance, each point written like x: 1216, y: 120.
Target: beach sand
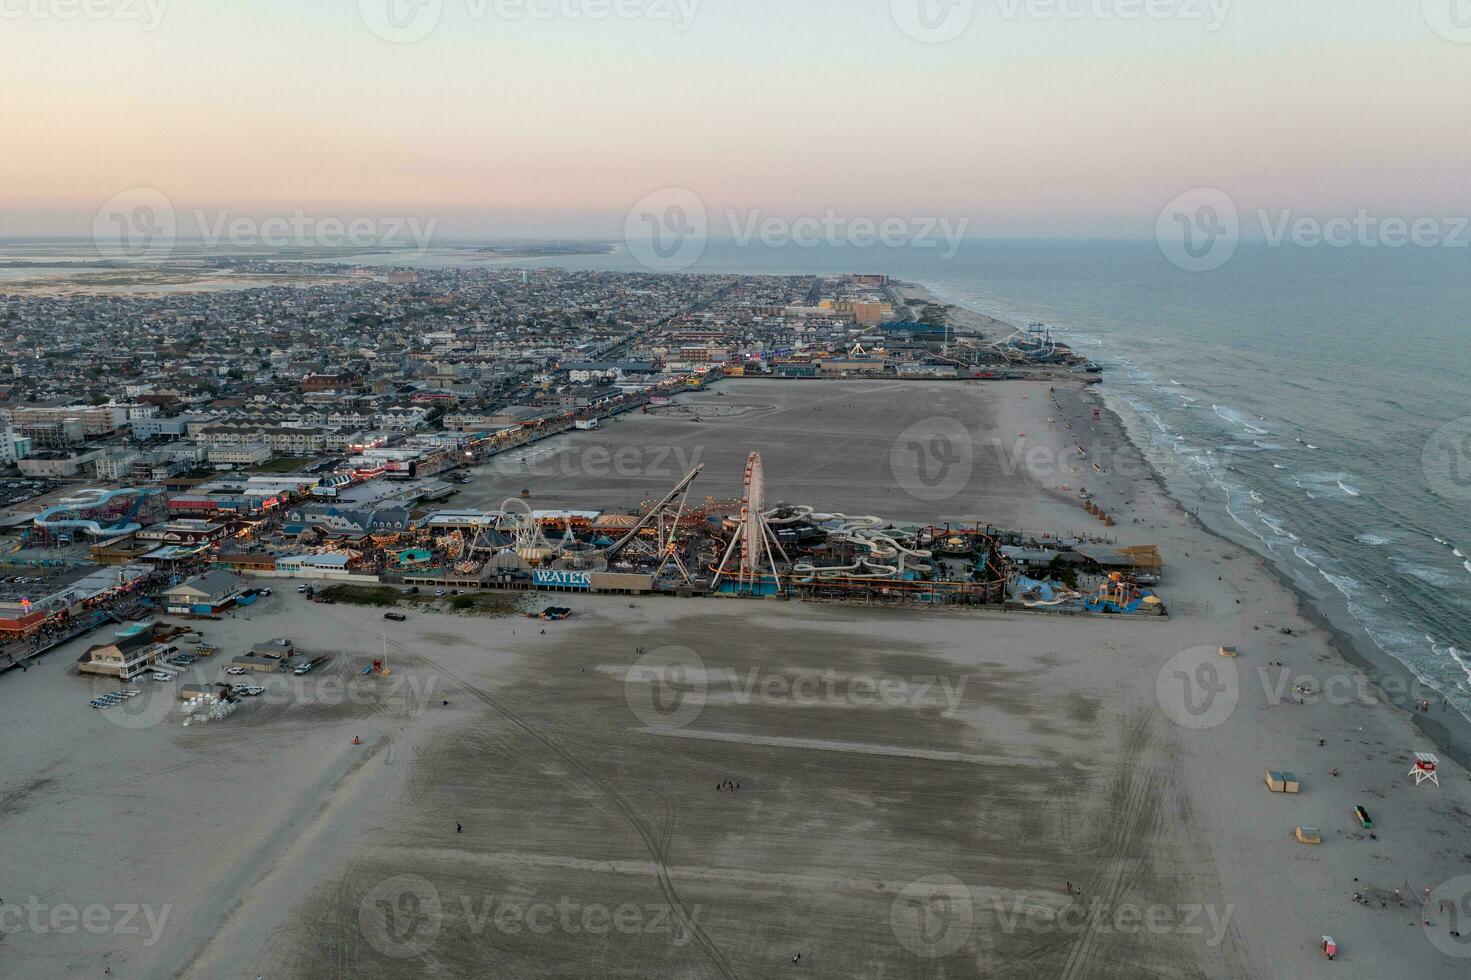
x: 922, y: 794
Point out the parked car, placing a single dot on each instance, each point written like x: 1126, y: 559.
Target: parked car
x: 162, y: 675
x: 396, y: 617
x: 235, y: 671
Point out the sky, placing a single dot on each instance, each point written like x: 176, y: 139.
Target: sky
x: 1045, y: 118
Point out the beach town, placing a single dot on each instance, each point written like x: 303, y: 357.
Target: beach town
x: 558, y: 624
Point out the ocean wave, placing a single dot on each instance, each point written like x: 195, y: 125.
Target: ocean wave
x: 1426, y: 574
x: 1234, y: 417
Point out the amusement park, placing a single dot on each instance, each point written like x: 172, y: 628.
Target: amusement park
x: 749, y: 546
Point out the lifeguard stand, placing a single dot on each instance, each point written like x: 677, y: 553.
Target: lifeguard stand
x: 1427, y: 769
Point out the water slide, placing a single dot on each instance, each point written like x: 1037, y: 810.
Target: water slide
x: 887, y: 558
x: 66, y: 515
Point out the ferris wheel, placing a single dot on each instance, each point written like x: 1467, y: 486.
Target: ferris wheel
x: 753, y: 536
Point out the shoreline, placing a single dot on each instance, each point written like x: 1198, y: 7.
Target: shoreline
x: 1449, y: 732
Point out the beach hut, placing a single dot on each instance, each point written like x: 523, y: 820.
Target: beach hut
x: 1281, y: 781
x: 1309, y: 835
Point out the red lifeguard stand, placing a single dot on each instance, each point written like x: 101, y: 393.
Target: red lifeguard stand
x: 1427, y: 769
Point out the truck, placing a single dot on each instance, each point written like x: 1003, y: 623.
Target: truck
x: 588, y: 426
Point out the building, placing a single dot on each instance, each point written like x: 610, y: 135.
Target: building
x: 186, y: 533
x: 56, y: 465
x: 97, y: 420
x: 13, y: 446
x: 204, y: 595
x: 115, y: 466
x: 246, y: 454
x: 132, y: 652
x: 25, y: 607
x: 332, y: 565
x: 341, y: 520
x: 59, y: 434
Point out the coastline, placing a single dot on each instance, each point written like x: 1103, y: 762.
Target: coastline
x: 1449, y: 731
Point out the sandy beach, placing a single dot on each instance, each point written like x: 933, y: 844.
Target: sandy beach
x: 710, y: 788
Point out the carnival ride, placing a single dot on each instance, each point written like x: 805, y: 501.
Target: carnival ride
x: 68, y: 515
x: 886, y: 556
x: 754, y: 538
x: 664, y: 518
x: 518, y: 520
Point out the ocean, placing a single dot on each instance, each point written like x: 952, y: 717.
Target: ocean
x: 1292, y: 399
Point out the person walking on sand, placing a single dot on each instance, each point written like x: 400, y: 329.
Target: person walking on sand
x: 459, y: 828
